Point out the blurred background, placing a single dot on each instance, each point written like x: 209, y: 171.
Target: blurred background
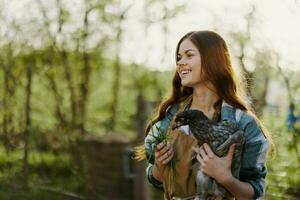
x: 80, y: 79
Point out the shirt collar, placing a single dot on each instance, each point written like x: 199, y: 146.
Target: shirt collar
x: 227, y: 112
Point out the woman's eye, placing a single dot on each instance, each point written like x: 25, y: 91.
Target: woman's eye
x: 189, y: 55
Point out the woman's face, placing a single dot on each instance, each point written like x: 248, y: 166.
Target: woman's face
x: 188, y: 64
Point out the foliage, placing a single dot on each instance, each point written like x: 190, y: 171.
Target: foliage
x: 46, y: 169
x: 283, y: 178
x: 73, y: 51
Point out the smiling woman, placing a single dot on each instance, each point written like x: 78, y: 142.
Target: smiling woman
x: 205, y: 80
x: 188, y: 63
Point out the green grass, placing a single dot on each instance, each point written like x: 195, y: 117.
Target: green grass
x: 7, y: 193
x: 46, y: 169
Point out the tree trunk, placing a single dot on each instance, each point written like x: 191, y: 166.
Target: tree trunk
x: 140, y: 186
x: 60, y: 118
x: 27, y: 124
x: 248, y: 76
x: 64, y: 59
x: 259, y: 100
x: 69, y: 79
x: 116, y: 83
x: 8, y: 94
x: 86, y: 71
x: 7, y: 118
x: 61, y: 121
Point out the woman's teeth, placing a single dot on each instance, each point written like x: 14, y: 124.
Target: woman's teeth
x: 185, y: 72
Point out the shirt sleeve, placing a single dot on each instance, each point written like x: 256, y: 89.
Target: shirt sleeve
x: 152, y: 180
x: 162, y: 126
x: 253, y: 169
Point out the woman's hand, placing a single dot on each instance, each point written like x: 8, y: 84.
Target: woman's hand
x: 163, y: 153
x: 213, y: 166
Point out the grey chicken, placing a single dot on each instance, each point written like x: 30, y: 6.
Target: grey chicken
x: 219, y: 136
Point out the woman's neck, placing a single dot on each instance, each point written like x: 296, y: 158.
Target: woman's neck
x: 204, y: 100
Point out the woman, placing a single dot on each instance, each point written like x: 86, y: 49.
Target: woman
x: 205, y: 80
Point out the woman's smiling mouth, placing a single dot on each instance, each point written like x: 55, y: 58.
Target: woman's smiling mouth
x: 185, y: 72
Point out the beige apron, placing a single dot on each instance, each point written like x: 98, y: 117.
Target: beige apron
x: 181, y: 181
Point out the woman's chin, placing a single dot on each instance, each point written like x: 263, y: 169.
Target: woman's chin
x: 186, y: 84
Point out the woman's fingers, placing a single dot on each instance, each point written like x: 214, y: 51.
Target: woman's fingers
x: 159, y: 150
x: 230, y: 152
x: 200, y: 159
x: 160, y: 146
x: 208, y: 150
x: 169, y: 157
x: 202, y: 153
x: 164, y: 153
x: 165, y: 149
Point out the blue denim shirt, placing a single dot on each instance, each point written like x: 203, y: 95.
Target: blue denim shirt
x: 253, y: 169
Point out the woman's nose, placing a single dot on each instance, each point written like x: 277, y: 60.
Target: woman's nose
x: 181, y: 63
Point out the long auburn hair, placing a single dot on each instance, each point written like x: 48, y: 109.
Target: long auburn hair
x: 216, y: 69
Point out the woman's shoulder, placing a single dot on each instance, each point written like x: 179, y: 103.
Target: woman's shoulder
x: 229, y: 112
x: 247, y: 122
x: 173, y: 109
x: 245, y: 118
x: 165, y: 121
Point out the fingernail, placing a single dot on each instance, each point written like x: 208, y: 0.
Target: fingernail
x: 159, y: 145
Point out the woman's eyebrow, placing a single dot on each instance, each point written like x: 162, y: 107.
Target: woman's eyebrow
x: 186, y: 51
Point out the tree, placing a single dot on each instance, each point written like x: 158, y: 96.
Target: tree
x: 261, y: 63
x: 29, y: 64
x: 120, y: 17
x: 291, y: 100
